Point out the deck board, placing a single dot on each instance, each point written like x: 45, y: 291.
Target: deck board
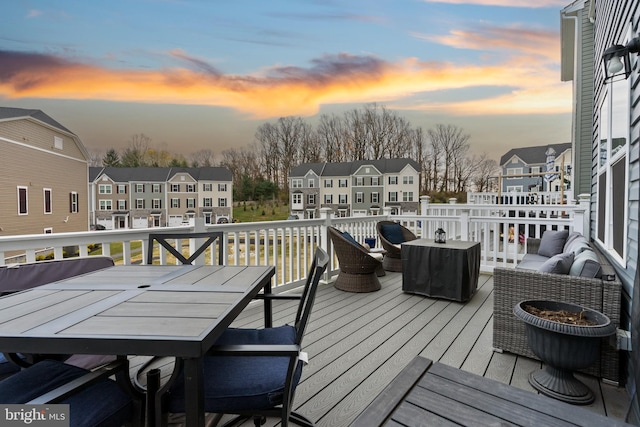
x: 357, y: 344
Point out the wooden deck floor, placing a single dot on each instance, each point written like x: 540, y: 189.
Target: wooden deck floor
x: 357, y: 343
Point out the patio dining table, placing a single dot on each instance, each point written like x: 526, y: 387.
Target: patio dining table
x: 177, y: 311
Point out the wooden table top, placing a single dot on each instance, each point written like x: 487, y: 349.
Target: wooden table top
x: 146, y: 310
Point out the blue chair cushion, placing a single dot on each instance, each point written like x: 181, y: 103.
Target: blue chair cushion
x: 393, y: 233
x: 7, y: 368
x: 350, y: 238
x: 241, y: 383
x: 102, y: 404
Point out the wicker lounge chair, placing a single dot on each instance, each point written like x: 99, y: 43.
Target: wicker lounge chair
x: 391, y: 236
x: 359, y: 270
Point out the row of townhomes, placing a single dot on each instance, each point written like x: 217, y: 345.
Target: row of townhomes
x: 158, y: 197
x: 365, y: 187
x: 537, y: 169
x: 43, y: 175
x: 606, y: 141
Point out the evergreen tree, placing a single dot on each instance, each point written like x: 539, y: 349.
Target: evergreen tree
x: 111, y: 159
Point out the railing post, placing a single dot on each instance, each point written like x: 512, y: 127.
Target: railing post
x: 464, y: 224
x: 581, y: 216
x: 198, y: 227
x: 424, y: 211
x: 325, y: 214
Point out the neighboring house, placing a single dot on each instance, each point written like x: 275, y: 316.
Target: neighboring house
x: 158, y: 197
x: 526, y: 169
x: 43, y: 175
x: 365, y: 187
x: 610, y: 111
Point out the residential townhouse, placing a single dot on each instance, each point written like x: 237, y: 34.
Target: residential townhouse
x: 525, y: 169
x: 43, y: 175
x: 158, y: 197
x: 366, y: 187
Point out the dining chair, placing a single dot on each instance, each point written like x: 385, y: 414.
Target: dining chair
x: 253, y: 373
x: 165, y: 240
x: 94, y: 400
x: 392, y: 235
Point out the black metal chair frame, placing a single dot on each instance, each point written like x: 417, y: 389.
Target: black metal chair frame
x: 163, y: 240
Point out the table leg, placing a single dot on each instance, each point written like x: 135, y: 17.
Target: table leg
x: 268, y: 310
x: 194, y: 392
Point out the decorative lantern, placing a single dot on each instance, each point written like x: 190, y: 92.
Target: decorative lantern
x: 441, y: 236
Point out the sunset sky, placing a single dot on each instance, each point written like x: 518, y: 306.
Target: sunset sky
x: 194, y: 74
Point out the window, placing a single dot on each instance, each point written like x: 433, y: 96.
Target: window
x: 222, y: 187
x: 342, y: 183
x: 611, y: 212
x: 296, y: 198
x: 207, y: 202
x: 104, y: 189
x: 535, y: 169
x: 375, y: 197
x: 73, y: 202
x: 122, y: 205
x: 311, y: 199
x: 191, y: 203
x: 342, y: 198
x: 207, y: 217
x: 191, y: 188
x: 514, y: 188
x: 155, y: 188
x: 407, y: 196
x: 105, y: 205
x: 328, y: 199
x: 175, y: 188
x: 23, y: 208
x: 139, y: 188
x: 58, y: 142
x: 328, y: 183
x: 207, y: 187
x: 311, y: 183
x: 393, y: 180
x: 296, y: 183
x: 514, y: 173
x: 359, y: 180
x: 122, y: 189
x: 375, y: 180
x: 156, y: 204
x: 407, y: 180
x: 139, y: 203
x: 359, y: 197
x: 222, y: 202
x: 175, y: 203
x: 393, y: 196
x: 47, y: 201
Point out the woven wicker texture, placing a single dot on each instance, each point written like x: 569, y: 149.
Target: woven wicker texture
x: 392, y: 259
x: 512, y: 286
x: 358, y: 270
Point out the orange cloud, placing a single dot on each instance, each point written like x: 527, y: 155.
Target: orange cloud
x: 281, y: 91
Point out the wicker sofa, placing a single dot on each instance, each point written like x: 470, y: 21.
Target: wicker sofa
x: 514, y: 285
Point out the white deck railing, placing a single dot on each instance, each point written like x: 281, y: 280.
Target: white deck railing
x: 288, y: 245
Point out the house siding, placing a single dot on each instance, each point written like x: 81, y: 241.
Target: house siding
x: 29, y: 159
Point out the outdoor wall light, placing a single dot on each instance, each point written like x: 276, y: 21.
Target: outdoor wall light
x: 616, y: 60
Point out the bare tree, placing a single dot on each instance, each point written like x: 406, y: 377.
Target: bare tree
x: 453, y: 145
x: 135, y: 154
x: 486, y: 170
x: 202, y: 158
x: 330, y: 134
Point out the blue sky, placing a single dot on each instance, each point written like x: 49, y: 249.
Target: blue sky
x: 205, y: 74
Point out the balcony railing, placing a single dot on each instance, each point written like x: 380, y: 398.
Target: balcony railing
x: 502, y: 231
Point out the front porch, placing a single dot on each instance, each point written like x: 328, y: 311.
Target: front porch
x: 357, y: 343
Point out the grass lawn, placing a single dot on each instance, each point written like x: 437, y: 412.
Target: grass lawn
x: 253, y: 211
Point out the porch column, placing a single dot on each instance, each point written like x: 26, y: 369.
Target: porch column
x: 582, y: 213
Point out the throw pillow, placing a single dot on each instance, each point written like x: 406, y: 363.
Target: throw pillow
x: 573, y: 236
x: 350, y: 238
x: 558, y: 264
x: 552, y: 242
x: 586, y: 264
x: 393, y: 233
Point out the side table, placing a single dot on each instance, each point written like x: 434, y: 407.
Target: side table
x: 441, y: 270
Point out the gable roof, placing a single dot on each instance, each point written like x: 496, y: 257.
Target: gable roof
x: 8, y: 113
x: 534, y: 155
x: 350, y: 168
x: 150, y: 174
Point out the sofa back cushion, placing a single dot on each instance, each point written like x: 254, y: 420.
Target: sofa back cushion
x: 552, y: 242
x: 586, y: 264
x: 558, y: 264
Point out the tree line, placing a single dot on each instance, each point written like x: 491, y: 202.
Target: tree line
x: 370, y: 132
